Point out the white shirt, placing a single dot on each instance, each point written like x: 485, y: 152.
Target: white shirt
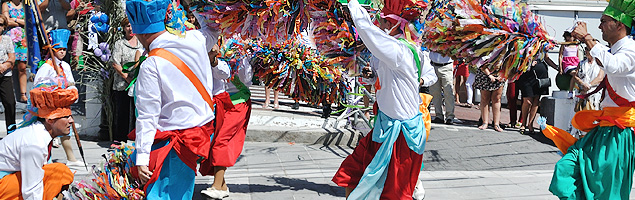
x: 47, y: 71
x: 588, y: 72
x: 397, y: 71
x: 438, y: 58
x: 619, y: 66
x: 26, y: 150
x: 245, y: 74
x: 220, y: 74
x: 165, y: 98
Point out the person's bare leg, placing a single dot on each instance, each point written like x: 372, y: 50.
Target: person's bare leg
x: 266, y: 104
x: 68, y: 149
x: 524, y: 113
x: 219, y: 178
x: 276, y: 105
x: 22, y: 80
x: 532, y: 114
x: 348, y: 191
x: 484, y: 106
x: 496, y: 108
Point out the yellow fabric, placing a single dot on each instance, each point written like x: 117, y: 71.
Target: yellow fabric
x: 561, y: 138
x: 423, y: 107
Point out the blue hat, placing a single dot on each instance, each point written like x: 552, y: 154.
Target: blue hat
x: 147, y: 16
x: 59, y: 38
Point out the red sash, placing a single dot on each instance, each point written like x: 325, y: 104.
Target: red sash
x: 188, y: 144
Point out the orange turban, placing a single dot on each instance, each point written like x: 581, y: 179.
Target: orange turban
x: 53, y: 104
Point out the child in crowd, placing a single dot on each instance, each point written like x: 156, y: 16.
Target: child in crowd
x: 569, y: 59
x: 59, y: 39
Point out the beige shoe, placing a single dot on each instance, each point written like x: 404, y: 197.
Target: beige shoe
x: 214, y: 193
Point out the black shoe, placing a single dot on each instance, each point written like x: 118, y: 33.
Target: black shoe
x: 326, y: 112
x: 453, y: 121
x: 295, y: 106
x: 437, y: 120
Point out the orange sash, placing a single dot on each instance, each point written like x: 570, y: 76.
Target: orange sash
x: 165, y: 54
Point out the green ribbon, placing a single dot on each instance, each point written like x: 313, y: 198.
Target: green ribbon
x: 133, y: 71
x: 243, y: 92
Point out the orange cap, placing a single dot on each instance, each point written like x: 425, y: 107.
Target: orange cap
x: 53, y: 104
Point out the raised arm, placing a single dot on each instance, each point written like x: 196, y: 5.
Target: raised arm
x: 380, y: 44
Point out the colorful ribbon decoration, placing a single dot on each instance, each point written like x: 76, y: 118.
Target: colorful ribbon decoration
x: 496, y: 34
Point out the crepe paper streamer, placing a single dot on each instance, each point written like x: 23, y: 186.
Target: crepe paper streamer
x: 502, y: 35
x: 176, y: 21
x: 112, y: 178
x: 299, y: 72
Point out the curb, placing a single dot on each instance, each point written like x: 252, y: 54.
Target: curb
x: 325, y: 136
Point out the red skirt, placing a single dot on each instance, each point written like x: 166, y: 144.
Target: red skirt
x: 403, y: 170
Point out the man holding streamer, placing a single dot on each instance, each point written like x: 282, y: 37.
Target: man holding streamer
x: 386, y: 163
x: 600, y: 165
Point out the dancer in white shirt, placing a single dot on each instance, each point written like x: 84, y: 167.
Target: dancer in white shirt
x: 386, y: 163
x: 173, y: 101
x: 24, y: 153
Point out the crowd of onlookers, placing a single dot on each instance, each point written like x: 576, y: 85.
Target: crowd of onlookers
x: 578, y: 74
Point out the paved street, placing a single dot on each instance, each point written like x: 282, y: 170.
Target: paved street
x: 461, y: 163
x: 293, y: 155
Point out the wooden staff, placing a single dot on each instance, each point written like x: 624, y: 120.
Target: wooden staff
x: 57, y: 68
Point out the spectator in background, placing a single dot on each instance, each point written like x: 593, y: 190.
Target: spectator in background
x: 461, y: 73
x: 468, y: 86
x: 123, y: 52
x: 276, y: 105
x: 13, y: 11
x: 512, y: 97
x: 443, y: 67
x: 589, y: 76
x: 54, y: 13
x: 569, y: 59
x: 530, y: 92
x: 491, y: 86
x: 7, y: 58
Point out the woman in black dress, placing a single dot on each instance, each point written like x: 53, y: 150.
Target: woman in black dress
x: 528, y: 84
x: 491, y: 87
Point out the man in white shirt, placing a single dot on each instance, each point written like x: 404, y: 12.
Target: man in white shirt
x: 24, y: 153
x: 173, y: 101
x: 443, y: 67
x: 600, y: 165
x: 386, y: 163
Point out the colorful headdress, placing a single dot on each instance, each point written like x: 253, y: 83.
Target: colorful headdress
x: 49, y: 99
x: 59, y: 38
x: 52, y: 99
x: 621, y: 10
x: 404, y: 12
x: 147, y: 16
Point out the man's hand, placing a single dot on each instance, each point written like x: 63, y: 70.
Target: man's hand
x: 144, y: 174
x: 580, y: 31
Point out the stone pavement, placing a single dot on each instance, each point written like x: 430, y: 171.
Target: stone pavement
x: 460, y: 163
x: 290, y: 155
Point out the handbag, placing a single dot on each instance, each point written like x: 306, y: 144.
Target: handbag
x: 543, y: 82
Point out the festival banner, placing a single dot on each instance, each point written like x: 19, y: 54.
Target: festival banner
x: 33, y: 46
